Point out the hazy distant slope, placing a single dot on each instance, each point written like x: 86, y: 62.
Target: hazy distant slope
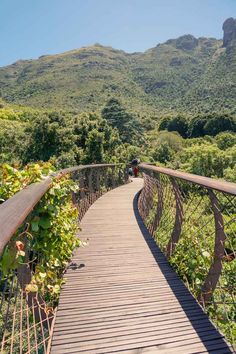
x: 183, y: 74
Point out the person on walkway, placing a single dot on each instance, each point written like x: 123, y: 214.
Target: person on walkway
x: 134, y: 164
x: 130, y: 172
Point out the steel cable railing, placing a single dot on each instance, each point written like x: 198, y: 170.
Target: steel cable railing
x: 192, y: 219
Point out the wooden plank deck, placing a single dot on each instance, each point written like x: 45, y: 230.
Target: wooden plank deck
x: 121, y: 296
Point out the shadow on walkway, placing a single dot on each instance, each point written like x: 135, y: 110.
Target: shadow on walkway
x: 212, y: 340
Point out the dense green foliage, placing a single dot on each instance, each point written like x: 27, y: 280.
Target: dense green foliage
x: 208, y: 156
x: 115, y: 135
x: 65, y: 139
x: 51, y: 230
x: 199, y: 125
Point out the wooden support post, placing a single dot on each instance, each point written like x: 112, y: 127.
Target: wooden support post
x: 159, y: 211
x: 90, y: 181
x: 219, y: 252
x: 98, y: 180
x: 113, y: 177
x: 74, y: 177
x: 81, y: 185
x: 175, y: 235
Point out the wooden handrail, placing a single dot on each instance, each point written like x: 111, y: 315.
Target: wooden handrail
x: 210, y: 183
x: 15, y: 210
x: 194, y: 229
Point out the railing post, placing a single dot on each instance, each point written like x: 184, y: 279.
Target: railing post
x: 113, y: 177
x: 219, y: 252
x: 90, y: 181
x: 81, y: 185
x: 74, y: 177
x: 98, y: 181
x: 120, y: 173
x: 143, y: 197
x: 82, y: 201
x: 126, y: 174
x: 175, y: 235
x: 106, y: 178
x: 159, y: 210
x: 146, y: 198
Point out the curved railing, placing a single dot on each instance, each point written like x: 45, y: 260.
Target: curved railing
x: 26, y: 316
x: 192, y: 218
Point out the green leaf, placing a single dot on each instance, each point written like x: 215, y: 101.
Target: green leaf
x: 45, y: 222
x: 8, y: 261
x: 35, y: 226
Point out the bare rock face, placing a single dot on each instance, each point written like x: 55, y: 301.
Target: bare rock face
x: 229, y: 28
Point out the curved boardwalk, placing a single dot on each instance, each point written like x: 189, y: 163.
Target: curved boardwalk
x: 121, y: 296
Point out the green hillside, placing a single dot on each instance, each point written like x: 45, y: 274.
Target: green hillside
x: 183, y: 74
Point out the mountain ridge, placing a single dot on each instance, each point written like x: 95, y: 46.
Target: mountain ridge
x: 184, y: 74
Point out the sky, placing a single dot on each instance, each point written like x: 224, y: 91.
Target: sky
x: 30, y: 28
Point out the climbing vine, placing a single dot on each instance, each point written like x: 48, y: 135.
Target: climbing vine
x: 46, y: 240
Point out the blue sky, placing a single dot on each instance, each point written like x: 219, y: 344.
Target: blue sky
x: 30, y: 28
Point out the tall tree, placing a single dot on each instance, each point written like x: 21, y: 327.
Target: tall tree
x: 128, y: 126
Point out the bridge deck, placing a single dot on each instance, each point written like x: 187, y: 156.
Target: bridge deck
x: 122, y: 296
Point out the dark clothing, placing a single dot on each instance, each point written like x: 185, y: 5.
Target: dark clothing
x: 135, y: 162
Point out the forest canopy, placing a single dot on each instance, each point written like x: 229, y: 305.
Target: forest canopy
x: 201, y: 144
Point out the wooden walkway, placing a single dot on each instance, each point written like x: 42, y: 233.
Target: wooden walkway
x: 121, y: 296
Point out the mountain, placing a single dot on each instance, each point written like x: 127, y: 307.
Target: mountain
x: 186, y: 74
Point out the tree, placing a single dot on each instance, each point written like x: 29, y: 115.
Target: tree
x: 96, y: 137
x: 164, y: 145
x: 178, y: 124
x: 219, y: 124
x: 13, y: 141
x: 94, y: 147
x: 164, y: 123
x: 225, y: 140
x: 50, y: 134
x: 205, y: 160
x: 129, y: 127
x: 196, y: 127
x: 163, y: 153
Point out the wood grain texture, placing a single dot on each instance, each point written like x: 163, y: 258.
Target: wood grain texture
x: 121, y: 296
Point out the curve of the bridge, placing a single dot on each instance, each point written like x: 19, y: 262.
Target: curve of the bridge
x: 120, y: 293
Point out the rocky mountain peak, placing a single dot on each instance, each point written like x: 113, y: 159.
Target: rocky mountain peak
x: 229, y: 28
x: 186, y: 42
